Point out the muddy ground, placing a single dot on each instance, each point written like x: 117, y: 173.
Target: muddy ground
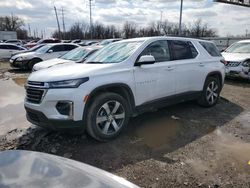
x: 179, y: 146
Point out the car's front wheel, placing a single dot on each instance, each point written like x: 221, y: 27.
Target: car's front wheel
x: 107, y: 116
x: 211, y: 92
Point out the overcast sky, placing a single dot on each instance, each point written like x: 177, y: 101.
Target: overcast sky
x: 226, y: 19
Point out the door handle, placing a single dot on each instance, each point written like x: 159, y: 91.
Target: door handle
x: 169, y: 68
x: 201, y: 64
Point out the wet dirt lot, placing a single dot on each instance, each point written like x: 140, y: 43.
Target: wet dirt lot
x: 179, y: 146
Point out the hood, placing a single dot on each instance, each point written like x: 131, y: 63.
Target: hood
x: 33, y: 169
x: 50, y: 63
x: 25, y: 55
x: 236, y: 56
x: 71, y: 71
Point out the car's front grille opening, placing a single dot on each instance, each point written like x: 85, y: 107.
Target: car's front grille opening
x: 232, y: 64
x: 34, y: 95
x: 36, y: 83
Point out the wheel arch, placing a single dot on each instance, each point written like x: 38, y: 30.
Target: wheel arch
x: 216, y: 74
x: 119, y: 88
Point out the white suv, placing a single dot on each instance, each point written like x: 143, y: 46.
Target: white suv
x: 122, y: 79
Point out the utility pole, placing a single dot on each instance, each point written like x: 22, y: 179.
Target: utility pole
x: 180, y: 18
x: 90, y: 18
x: 64, y: 30
x: 58, y: 25
x: 29, y: 30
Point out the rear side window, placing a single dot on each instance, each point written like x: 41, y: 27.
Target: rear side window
x: 211, y: 48
x: 3, y: 47
x: 69, y: 47
x: 12, y: 47
x: 183, y: 50
x: 159, y: 50
x: 57, y: 48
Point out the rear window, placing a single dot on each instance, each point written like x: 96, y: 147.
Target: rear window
x: 211, y: 48
x: 183, y: 50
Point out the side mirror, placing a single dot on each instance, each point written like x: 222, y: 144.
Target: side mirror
x: 145, y: 60
x: 50, y: 51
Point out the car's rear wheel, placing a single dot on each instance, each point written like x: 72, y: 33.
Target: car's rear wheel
x: 211, y: 92
x: 107, y: 116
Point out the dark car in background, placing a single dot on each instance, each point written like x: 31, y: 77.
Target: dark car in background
x: 42, y: 41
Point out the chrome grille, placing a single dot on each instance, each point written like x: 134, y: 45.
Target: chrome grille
x: 232, y: 64
x: 35, y: 92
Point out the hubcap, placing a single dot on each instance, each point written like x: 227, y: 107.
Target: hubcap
x: 212, y: 92
x: 110, y: 117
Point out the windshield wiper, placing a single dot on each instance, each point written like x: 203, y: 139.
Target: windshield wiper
x: 94, y: 62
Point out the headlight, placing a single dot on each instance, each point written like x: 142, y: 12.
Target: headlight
x: 68, y: 83
x: 246, y: 63
x: 21, y: 58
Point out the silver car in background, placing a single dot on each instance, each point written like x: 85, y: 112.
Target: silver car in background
x: 237, y: 57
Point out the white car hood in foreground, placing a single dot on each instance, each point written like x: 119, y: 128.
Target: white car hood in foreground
x: 69, y: 71
x: 236, y: 56
x: 51, y: 63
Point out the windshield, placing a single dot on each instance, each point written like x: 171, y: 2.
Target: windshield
x: 76, y: 54
x: 239, y: 48
x: 35, y: 48
x: 114, y: 53
x: 105, y: 42
x: 43, y: 49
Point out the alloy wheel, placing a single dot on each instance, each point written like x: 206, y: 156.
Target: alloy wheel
x: 212, y: 92
x: 110, y: 117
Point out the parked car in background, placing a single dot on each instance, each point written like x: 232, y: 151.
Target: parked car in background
x: 28, y: 50
x: 78, y: 55
x: 6, y: 50
x: 76, y: 41
x: 48, y: 51
x: 15, y: 41
x: 123, y: 79
x: 27, y: 169
x: 237, y: 57
x: 108, y: 41
x: 42, y: 41
x: 87, y: 43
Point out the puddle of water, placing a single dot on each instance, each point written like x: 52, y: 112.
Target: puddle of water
x: 230, y: 152
x: 159, y: 132
x: 12, y: 113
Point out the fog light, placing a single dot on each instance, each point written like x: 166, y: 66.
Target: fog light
x: 65, y: 108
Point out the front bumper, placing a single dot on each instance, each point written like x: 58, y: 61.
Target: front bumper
x: 239, y: 72
x: 18, y: 64
x: 39, y: 119
x: 47, y: 115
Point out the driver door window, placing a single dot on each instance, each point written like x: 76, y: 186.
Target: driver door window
x: 159, y: 50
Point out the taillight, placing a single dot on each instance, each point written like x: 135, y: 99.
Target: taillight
x: 224, y: 61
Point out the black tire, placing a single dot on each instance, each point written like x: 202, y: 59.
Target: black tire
x: 97, y: 110
x: 32, y: 62
x: 204, y: 99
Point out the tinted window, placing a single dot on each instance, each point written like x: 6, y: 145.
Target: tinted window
x: 48, y: 41
x: 182, y: 50
x: 159, y: 50
x: 69, y: 47
x: 193, y: 49
x: 57, y: 48
x: 3, y: 47
x: 210, y: 48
